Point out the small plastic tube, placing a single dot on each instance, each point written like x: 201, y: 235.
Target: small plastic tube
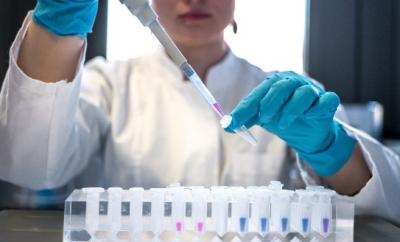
x: 280, y: 208
x: 260, y: 210
x: 240, y: 210
x: 92, y: 208
x: 241, y: 131
x: 301, y: 212
x: 322, y: 212
x: 114, y: 208
x: 220, y: 209
x: 136, y: 209
x: 157, y: 210
x: 199, y: 208
x: 178, y: 208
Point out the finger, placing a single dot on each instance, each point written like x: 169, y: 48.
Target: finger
x: 326, y: 106
x: 276, y: 98
x: 302, y: 100
x: 306, y: 79
x: 250, y: 105
x: 251, y: 122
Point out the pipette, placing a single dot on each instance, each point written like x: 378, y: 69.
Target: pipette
x: 145, y: 13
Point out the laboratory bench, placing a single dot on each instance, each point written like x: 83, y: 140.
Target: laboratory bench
x: 39, y: 226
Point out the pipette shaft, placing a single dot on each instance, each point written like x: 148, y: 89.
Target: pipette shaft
x: 143, y: 11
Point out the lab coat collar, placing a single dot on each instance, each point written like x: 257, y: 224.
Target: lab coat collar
x: 223, y: 75
x: 166, y: 62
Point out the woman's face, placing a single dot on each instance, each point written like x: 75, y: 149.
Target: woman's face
x: 195, y: 22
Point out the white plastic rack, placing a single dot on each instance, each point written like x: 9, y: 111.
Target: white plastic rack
x: 177, y: 213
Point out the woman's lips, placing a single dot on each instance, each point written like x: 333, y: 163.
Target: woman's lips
x: 194, y: 16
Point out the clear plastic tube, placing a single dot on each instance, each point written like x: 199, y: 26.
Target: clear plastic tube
x: 203, y: 90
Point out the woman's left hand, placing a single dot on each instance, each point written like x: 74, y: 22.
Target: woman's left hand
x: 301, y: 113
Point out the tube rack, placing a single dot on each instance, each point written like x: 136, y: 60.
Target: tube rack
x: 178, y: 213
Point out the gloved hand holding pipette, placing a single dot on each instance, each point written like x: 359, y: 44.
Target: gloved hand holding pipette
x: 66, y: 18
x: 301, y: 113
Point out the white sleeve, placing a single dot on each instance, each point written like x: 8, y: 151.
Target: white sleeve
x: 48, y: 131
x: 380, y: 195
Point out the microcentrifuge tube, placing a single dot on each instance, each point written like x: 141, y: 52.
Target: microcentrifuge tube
x: 199, y: 208
x: 322, y: 212
x: 114, y: 209
x: 178, y: 208
x: 240, y: 210
x: 92, y: 208
x: 157, y: 211
x: 260, y: 210
x: 242, y: 131
x: 301, y: 211
x: 136, y: 209
x: 220, y: 209
x: 280, y: 210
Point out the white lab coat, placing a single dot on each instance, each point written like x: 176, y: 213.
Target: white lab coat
x: 138, y: 123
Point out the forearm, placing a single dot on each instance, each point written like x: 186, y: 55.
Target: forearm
x: 353, y: 176
x: 47, y: 57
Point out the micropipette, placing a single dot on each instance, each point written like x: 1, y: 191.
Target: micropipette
x: 145, y: 13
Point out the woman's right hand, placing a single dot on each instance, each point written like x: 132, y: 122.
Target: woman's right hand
x: 66, y: 18
x: 53, y: 43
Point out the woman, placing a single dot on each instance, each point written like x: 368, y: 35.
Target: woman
x: 140, y: 123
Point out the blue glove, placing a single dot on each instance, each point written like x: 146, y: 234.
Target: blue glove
x: 66, y: 17
x: 301, y: 113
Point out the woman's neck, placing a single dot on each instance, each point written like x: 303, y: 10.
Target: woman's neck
x: 202, y: 57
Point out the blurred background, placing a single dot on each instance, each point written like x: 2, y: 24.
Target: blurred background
x: 351, y: 46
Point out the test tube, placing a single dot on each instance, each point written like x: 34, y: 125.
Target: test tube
x: 322, y: 212
x: 280, y: 208
x: 157, y: 211
x: 242, y: 131
x: 178, y: 208
x: 260, y: 210
x: 136, y: 209
x: 240, y: 210
x: 114, y: 209
x: 92, y: 208
x: 302, y: 212
x: 220, y: 209
x: 199, y: 208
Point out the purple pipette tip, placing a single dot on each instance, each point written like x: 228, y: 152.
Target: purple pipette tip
x: 217, y: 108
